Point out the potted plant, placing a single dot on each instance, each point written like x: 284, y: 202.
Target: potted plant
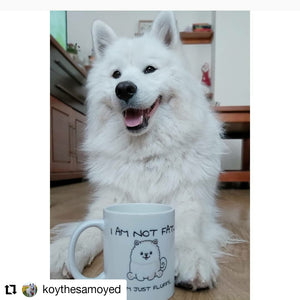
x: 73, y: 50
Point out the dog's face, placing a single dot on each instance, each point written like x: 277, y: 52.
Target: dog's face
x: 135, y: 77
x: 145, y: 252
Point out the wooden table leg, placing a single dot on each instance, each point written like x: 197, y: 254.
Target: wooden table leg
x: 246, y: 160
x: 246, y: 154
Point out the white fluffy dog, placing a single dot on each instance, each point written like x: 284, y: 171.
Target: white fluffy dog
x: 31, y: 291
x: 151, y: 137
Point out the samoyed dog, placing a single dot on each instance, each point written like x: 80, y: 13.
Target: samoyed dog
x: 31, y: 290
x: 151, y: 137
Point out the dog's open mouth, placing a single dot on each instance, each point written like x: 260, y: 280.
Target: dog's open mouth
x: 136, y: 119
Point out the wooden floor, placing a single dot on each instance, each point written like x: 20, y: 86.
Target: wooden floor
x: 69, y: 203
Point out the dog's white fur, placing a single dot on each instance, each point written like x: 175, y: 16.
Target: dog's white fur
x: 175, y: 160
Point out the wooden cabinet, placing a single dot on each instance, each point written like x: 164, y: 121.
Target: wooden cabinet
x: 236, y: 120
x: 67, y: 114
x: 67, y: 131
x: 67, y: 79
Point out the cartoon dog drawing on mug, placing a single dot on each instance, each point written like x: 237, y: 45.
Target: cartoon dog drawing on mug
x: 145, y: 261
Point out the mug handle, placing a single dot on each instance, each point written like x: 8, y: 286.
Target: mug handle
x: 71, y: 259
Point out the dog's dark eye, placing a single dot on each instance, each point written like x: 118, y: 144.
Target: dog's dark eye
x: 116, y: 74
x: 142, y: 253
x: 149, y: 69
x: 150, y: 252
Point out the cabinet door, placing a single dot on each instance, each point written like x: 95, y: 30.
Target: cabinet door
x: 79, y: 130
x: 62, y: 142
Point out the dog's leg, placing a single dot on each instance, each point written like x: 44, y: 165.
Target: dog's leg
x: 198, y: 241
x: 88, y: 245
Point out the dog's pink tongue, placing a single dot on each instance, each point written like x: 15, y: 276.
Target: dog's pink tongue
x: 133, y: 117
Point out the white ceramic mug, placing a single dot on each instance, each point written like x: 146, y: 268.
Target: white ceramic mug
x: 138, y: 247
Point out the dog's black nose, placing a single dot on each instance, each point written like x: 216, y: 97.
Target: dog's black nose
x: 125, y: 90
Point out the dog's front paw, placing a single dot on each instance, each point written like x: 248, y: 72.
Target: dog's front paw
x: 195, y: 269
x: 84, y: 255
x: 89, y: 244
x: 196, y: 284
x: 59, y: 258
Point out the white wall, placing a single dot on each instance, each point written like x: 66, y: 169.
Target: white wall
x: 231, y: 70
x: 125, y: 23
x: 231, y: 57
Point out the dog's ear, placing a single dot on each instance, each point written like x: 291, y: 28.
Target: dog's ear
x: 103, y: 36
x: 165, y: 28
